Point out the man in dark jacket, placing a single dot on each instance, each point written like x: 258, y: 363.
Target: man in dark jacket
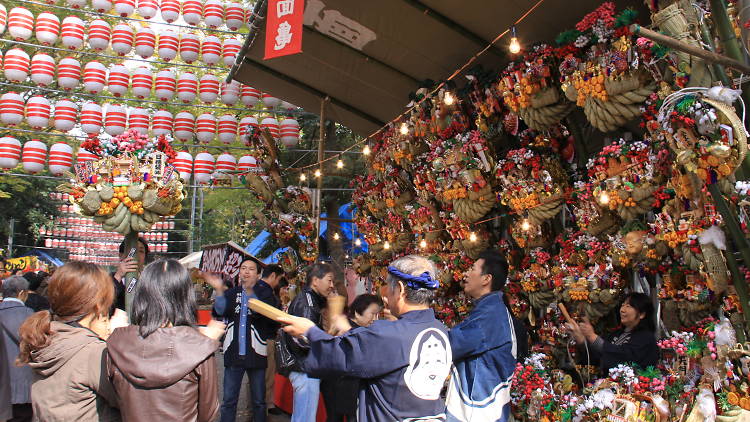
x: 245, y: 345
x: 128, y: 263
x: 13, y: 313
x: 484, y: 347
x: 403, y: 364
x: 308, y: 304
x: 34, y: 300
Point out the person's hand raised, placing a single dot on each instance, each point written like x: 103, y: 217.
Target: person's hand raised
x: 339, y: 325
x: 587, y: 330
x: 215, y: 281
x: 214, y: 329
x: 296, y: 326
x: 127, y: 265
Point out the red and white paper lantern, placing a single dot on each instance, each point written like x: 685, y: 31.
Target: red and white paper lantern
x: 289, y: 132
x: 183, y: 163
x: 190, y: 47
x: 270, y: 101
x: 75, y: 4
x: 225, y: 163
x: 33, y: 156
x: 208, y: 90
x: 249, y: 95
x: 68, y: 73
x: 115, y: 119
x: 230, y: 92
x: 227, y: 128
x: 101, y: 6
x: 213, y: 13
x: 165, y: 85
x: 47, y: 28
x: 192, y: 11
x: 100, y: 33
x: 203, y: 167
x: 85, y: 155
x: 168, y: 45
x: 145, y: 42
x: 20, y: 23
x: 60, y: 158
x: 187, y: 87
x: 170, y: 10
x: 124, y: 8
x: 3, y: 18
x: 205, y: 127
x: 211, y: 50
x: 38, y: 110
x: 123, y: 38
x: 246, y: 122
x: 118, y: 80
x: 66, y: 114
x: 247, y: 164
x: 94, y: 76
x: 230, y: 50
x: 272, y: 125
x: 10, y: 152
x: 16, y: 65
x: 184, y: 126
x: 71, y: 32
x: 91, y: 118
x: 235, y: 15
x: 142, y: 82
x: 162, y: 123
x: 147, y: 8
x: 11, y: 108
x: 138, y: 120
x: 42, y: 69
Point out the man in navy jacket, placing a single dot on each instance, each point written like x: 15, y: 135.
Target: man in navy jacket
x: 403, y: 364
x: 484, y: 347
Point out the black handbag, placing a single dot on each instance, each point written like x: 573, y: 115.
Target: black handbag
x: 286, y: 362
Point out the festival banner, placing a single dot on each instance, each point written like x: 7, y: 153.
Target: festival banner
x: 24, y: 263
x: 225, y: 259
x: 284, y: 27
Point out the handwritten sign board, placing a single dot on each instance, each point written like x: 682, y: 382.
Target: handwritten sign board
x: 26, y: 263
x: 225, y: 259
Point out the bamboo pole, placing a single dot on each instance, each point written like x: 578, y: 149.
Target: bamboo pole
x: 321, y: 152
x: 739, y: 286
x: 721, y: 74
x: 129, y: 280
x: 690, y: 49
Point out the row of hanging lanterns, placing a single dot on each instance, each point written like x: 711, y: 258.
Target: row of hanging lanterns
x: 34, y: 155
x: 73, y: 32
x: 115, y: 119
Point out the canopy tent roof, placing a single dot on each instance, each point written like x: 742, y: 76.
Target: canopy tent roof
x: 367, y: 56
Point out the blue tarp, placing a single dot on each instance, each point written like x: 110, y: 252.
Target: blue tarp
x: 46, y: 257
x: 257, y: 244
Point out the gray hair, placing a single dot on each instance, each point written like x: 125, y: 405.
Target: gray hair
x: 414, y: 265
x: 14, y: 285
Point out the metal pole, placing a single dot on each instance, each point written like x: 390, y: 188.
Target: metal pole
x: 11, y: 232
x: 200, y: 222
x: 321, y: 150
x: 192, y: 220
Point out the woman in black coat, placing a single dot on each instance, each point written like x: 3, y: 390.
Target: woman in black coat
x: 634, y: 343
x: 340, y: 394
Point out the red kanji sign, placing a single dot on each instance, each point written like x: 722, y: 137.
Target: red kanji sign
x: 284, y: 27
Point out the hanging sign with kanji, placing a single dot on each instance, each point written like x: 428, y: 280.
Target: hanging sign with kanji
x: 284, y: 27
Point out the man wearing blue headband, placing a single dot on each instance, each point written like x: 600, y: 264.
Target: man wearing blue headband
x: 403, y: 364
x: 484, y: 347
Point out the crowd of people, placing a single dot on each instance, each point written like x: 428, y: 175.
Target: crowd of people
x: 69, y: 351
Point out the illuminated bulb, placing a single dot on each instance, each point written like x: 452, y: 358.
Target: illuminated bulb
x: 302, y: 177
x: 387, y: 245
x: 358, y: 242
x: 335, y: 236
x: 472, y: 237
x: 340, y: 164
x: 604, y: 198
x: 318, y: 173
x: 525, y: 225
x: 448, y: 99
x: 515, y: 46
x: 404, y: 129
x: 346, y: 256
x: 366, y: 150
x: 423, y: 244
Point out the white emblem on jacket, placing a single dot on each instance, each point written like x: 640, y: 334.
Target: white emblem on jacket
x: 429, y: 364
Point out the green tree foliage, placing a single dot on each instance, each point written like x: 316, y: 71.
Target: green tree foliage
x: 26, y: 200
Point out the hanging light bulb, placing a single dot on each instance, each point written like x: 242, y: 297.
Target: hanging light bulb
x: 404, y: 129
x: 336, y: 236
x: 318, y: 173
x: 448, y: 98
x: 358, y: 242
x: 515, y: 46
x: 525, y: 225
x: 302, y: 177
x: 340, y: 164
x: 604, y: 198
x: 423, y: 244
x: 387, y: 245
x: 472, y: 237
x: 366, y: 150
x: 346, y: 256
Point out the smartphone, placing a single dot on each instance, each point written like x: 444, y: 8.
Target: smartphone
x: 131, y: 253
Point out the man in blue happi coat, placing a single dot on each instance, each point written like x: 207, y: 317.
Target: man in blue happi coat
x: 484, y: 347
x: 402, y: 364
